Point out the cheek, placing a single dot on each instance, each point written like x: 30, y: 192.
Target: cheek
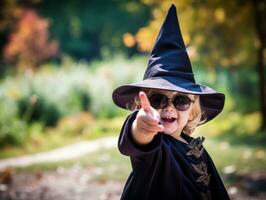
x: 183, y: 118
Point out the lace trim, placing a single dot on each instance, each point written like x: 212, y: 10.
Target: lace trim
x: 195, y: 147
x: 206, y: 196
x: 201, y: 169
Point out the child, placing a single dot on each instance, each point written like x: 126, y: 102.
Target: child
x: 167, y: 106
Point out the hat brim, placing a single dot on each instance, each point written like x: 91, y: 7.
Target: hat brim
x: 212, y: 102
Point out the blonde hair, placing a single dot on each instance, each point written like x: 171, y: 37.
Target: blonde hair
x: 135, y: 103
x: 198, y: 117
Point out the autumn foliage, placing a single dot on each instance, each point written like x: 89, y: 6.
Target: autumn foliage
x: 29, y: 44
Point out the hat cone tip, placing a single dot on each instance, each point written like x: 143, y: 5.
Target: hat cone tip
x: 172, y: 5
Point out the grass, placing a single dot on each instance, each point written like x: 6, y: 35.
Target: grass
x: 235, y: 144
x: 68, y: 131
x: 242, y: 157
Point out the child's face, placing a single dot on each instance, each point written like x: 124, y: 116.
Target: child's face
x: 173, y: 118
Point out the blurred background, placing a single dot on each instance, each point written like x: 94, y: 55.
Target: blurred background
x: 61, y: 60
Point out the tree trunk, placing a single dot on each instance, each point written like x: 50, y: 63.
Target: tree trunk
x: 261, y: 71
x: 260, y: 16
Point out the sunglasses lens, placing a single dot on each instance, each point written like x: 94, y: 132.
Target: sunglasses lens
x: 158, y: 101
x: 182, y: 103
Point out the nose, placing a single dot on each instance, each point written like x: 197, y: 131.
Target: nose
x: 170, y: 106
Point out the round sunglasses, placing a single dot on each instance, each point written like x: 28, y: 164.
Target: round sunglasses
x: 160, y: 101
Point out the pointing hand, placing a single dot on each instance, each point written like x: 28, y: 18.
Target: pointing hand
x: 146, y: 124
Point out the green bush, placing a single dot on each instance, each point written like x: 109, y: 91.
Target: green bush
x: 79, y: 86
x: 12, y: 129
x: 49, y: 94
x: 106, y: 76
x: 237, y: 85
x: 37, y: 108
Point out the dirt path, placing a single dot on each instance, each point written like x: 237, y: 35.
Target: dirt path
x: 64, y: 153
x: 63, y: 184
x: 76, y: 183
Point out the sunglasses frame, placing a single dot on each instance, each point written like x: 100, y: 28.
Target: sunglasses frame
x: 172, y: 100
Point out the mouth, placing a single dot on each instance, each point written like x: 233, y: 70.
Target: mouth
x: 168, y: 119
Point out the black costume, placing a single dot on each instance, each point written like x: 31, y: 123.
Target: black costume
x: 169, y: 169
x: 166, y: 168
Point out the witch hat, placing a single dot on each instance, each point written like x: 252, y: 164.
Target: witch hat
x: 169, y: 68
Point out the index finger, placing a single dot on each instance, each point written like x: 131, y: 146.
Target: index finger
x: 144, y: 101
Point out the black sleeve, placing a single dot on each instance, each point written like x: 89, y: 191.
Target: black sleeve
x: 128, y: 147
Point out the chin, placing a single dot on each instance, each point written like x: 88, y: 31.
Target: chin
x: 172, y: 131
x: 169, y: 132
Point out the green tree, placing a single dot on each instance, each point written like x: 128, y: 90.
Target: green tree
x: 87, y: 29
x: 259, y: 13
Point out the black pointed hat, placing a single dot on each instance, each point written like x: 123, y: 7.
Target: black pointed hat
x: 169, y: 68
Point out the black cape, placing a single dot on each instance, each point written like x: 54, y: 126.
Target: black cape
x: 169, y: 169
